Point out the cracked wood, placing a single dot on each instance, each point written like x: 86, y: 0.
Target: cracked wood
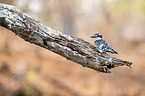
x: 72, y: 48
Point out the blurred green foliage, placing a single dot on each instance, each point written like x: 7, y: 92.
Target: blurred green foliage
x: 141, y: 5
x: 120, y: 6
x: 28, y: 90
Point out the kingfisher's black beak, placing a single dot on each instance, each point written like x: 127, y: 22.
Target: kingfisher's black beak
x: 92, y: 36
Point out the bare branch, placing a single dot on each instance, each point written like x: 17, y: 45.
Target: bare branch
x: 70, y: 47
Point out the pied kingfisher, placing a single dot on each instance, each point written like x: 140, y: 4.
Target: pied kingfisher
x: 102, y: 45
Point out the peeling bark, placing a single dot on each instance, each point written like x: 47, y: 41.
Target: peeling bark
x: 72, y: 48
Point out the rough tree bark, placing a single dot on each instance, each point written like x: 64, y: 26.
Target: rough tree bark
x: 72, y: 48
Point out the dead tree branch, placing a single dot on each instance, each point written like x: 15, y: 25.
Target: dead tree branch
x: 72, y: 48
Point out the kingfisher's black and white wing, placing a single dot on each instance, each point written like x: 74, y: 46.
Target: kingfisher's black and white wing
x: 103, y: 46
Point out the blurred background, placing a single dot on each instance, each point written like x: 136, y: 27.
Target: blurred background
x: 28, y: 70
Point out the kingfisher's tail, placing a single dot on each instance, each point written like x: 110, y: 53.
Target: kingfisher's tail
x: 116, y: 52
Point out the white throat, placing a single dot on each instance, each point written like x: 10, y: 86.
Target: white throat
x: 98, y: 38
